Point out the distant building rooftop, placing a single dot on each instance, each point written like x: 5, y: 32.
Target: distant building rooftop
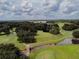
x: 39, y: 21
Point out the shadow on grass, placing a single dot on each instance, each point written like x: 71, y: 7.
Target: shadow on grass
x: 2, y: 34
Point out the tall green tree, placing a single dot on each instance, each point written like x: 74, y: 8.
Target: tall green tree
x: 9, y: 51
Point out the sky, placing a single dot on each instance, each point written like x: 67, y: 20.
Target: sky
x: 38, y: 9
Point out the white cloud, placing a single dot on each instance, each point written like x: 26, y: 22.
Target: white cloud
x: 1, y: 13
x: 40, y: 8
x: 24, y: 2
x: 64, y: 5
x: 13, y: 8
x: 75, y: 12
x: 68, y: 7
x: 2, y: 1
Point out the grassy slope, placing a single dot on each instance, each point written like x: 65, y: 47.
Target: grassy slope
x: 12, y: 38
x: 45, y: 37
x: 57, y: 52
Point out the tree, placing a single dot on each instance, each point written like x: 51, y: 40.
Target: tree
x: 5, y: 28
x: 75, y: 40
x: 46, y: 27
x: 55, y: 29
x: 26, y: 37
x: 39, y: 26
x: 26, y: 32
x: 75, y: 34
x: 9, y: 51
x: 69, y: 27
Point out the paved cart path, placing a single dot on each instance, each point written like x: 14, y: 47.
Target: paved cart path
x: 29, y: 47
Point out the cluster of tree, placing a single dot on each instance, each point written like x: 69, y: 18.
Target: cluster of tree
x: 62, y: 20
x: 7, y: 27
x: 76, y: 23
x: 4, y: 27
x: 26, y: 32
x: 9, y: 51
x: 55, y: 29
x: 46, y: 27
x: 39, y: 26
x: 69, y: 27
x: 43, y: 26
x: 75, y: 40
x: 75, y: 34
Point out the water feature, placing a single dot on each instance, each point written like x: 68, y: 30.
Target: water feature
x: 65, y: 41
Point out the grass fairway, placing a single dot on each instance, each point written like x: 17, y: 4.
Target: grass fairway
x: 46, y: 36
x: 12, y: 38
x: 57, y: 52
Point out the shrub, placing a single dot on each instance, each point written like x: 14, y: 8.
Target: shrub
x: 55, y: 29
x: 75, y: 34
x: 9, y: 51
x: 39, y: 26
x: 69, y: 27
x: 46, y: 28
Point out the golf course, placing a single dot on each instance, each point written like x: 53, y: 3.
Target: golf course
x: 57, y: 52
x: 70, y: 51
x: 41, y: 37
x: 39, y: 29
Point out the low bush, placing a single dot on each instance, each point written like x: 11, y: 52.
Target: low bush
x: 69, y: 27
x: 75, y: 34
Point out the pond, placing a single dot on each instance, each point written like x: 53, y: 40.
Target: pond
x: 65, y: 41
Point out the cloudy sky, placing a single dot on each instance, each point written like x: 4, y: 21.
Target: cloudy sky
x: 39, y: 9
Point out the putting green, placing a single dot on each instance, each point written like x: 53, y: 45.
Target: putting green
x: 57, y: 52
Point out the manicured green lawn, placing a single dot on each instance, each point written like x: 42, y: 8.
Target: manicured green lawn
x: 45, y: 36
x: 12, y: 38
x: 57, y: 52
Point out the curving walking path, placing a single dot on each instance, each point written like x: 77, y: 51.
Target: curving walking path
x: 62, y: 42
x: 29, y: 48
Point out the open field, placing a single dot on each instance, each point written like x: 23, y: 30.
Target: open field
x: 12, y: 38
x: 45, y: 37
x: 57, y: 52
